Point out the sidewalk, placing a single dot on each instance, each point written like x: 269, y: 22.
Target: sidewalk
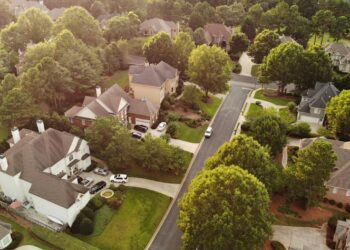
x: 246, y: 63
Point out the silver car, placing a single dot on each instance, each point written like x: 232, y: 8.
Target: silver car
x: 101, y: 171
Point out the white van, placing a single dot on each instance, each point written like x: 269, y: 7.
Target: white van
x: 119, y: 178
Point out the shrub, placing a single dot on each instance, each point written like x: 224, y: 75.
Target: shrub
x: 245, y: 126
x: 97, y: 202
x: 276, y: 245
x: 113, y: 187
x: 330, y: 243
x: 171, y: 130
x: 165, y: 137
x: 237, y: 68
x: 332, y: 222
x: 193, y: 123
x: 122, y: 188
x: 190, y: 95
x: 347, y: 208
x: 325, y: 199
x: 340, y: 205
x: 205, y: 117
x: 76, y: 225
x: 172, y: 117
x: 165, y: 105
x: 322, y: 131
x: 88, y: 212
x: 332, y: 202
x: 16, y: 240
x: 86, y: 226
x: 301, y: 130
x: 291, y: 106
x: 116, y: 201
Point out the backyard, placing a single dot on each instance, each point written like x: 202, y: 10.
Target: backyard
x: 121, y: 77
x: 256, y: 110
x: 271, y: 96
x: 133, y: 224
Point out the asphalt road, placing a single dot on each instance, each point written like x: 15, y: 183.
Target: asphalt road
x: 169, y: 235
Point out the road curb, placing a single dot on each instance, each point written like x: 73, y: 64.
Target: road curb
x: 182, y: 182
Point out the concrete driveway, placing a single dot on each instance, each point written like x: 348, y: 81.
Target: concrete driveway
x: 168, y: 189
x: 297, y: 237
x: 246, y: 63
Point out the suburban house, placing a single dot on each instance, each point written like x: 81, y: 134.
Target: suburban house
x: 153, y: 82
x: 342, y: 235
x: 340, y: 56
x: 154, y: 26
x: 314, y: 101
x: 218, y: 33
x: 5, y: 234
x: 39, y: 171
x: 114, y: 102
x: 339, y: 183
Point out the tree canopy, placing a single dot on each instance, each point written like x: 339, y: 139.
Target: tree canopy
x: 183, y: 46
x: 159, y: 48
x: 338, y: 113
x: 263, y: 43
x: 122, y: 27
x: 225, y: 208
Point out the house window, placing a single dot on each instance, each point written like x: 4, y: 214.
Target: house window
x: 348, y: 192
x: 317, y: 111
x: 83, y: 122
x: 335, y: 190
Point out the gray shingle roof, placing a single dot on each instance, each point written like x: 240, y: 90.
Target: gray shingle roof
x: 158, y: 25
x: 5, y: 229
x: 143, y: 107
x: 318, y: 97
x: 338, y: 48
x: 218, y: 30
x: 153, y: 74
x: 33, y: 154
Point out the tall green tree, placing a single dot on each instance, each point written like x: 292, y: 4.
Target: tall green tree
x: 183, y: 46
x: 263, y: 43
x: 322, y: 21
x: 312, y: 168
x: 82, y: 25
x: 307, y: 8
x: 225, y: 208
x: 255, y: 12
x: 111, y: 56
x: 338, y: 113
x: 159, y: 48
x: 248, y: 27
x: 247, y: 153
x: 210, y: 68
x: 238, y: 43
x: 199, y: 36
x: 10, y: 82
x: 6, y: 15
x: 122, y: 27
x: 270, y: 131
x: 8, y: 60
x: 341, y: 28
x: 17, y: 107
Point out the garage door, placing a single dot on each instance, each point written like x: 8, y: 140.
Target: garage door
x: 142, y: 122
x: 304, y: 118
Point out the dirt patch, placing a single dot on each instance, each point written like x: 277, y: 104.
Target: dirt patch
x: 190, y: 114
x: 311, y: 214
x: 274, y: 93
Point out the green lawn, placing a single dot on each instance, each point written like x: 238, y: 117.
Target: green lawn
x: 287, y: 116
x: 4, y: 132
x: 27, y: 238
x: 282, y: 101
x: 102, y: 218
x: 186, y: 133
x: 255, y: 70
x: 121, y: 77
x: 254, y: 111
x: 133, y: 225
x: 137, y: 171
x: 210, y: 107
x: 327, y: 39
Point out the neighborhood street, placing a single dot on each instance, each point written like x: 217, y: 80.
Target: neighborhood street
x: 169, y: 235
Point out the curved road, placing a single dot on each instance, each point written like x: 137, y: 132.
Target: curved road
x: 169, y: 235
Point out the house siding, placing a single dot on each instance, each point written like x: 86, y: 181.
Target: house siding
x: 339, y: 196
x: 152, y: 93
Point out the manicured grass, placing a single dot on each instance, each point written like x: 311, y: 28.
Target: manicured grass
x: 282, y: 101
x: 327, y: 39
x: 4, y: 132
x: 137, y: 171
x: 61, y: 240
x: 102, y: 217
x: 121, y: 77
x: 27, y: 238
x: 186, y: 133
x: 287, y: 116
x: 210, y: 107
x: 254, y: 111
x: 134, y: 223
x: 255, y: 70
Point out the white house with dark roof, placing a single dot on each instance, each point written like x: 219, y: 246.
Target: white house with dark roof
x: 314, y: 101
x: 114, y: 102
x: 40, y: 169
x: 153, y: 82
x: 340, y: 56
x: 154, y: 26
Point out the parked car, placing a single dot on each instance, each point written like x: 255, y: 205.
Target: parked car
x: 101, y: 171
x: 86, y: 182
x: 141, y: 128
x: 119, y: 178
x: 136, y: 135
x: 208, y: 132
x: 161, y: 126
x: 97, y: 187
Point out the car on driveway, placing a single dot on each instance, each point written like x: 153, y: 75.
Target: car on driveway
x: 161, y: 126
x: 97, y: 187
x: 86, y: 182
x: 136, y: 135
x: 208, y: 132
x: 101, y: 171
x: 119, y: 178
x: 141, y: 128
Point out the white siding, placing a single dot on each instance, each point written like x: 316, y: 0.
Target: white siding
x: 304, y: 118
x: 4, y: 242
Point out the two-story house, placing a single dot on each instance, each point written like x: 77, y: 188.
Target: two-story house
x: 314, y: 101
x: 40, y: 169
x: 114, y: 102
x: 218, y: 33
x: 153, y: 82
x: 340, y: 56
x: 154, y: 26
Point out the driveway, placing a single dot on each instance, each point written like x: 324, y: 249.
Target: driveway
x: 169, y: 235
x: 246, y: 63
x: 168, y: 189
x: 297, y: 237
